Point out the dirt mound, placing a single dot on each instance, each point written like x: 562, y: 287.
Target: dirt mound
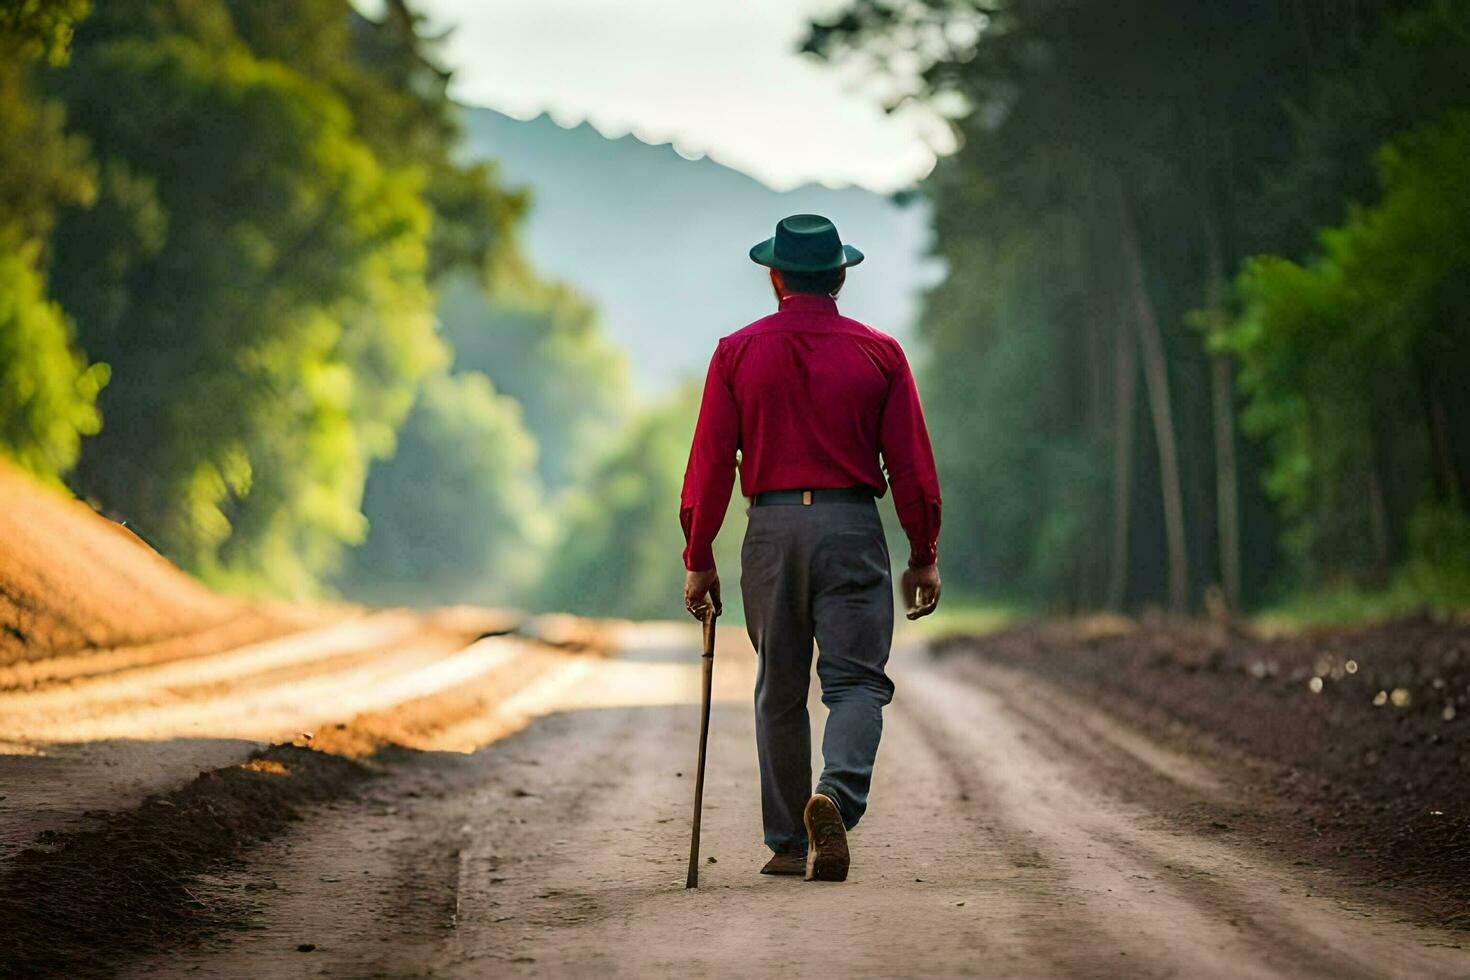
x: 71, y: 905
x: 73, y: 582
x: 1366, y: 728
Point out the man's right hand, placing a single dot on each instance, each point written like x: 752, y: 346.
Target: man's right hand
x: 921, y: 590
x: 702, y: 593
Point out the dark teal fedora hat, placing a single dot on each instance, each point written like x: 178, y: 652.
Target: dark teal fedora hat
x: 805, y: 243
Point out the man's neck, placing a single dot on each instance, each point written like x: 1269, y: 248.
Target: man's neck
x: 810, y: 301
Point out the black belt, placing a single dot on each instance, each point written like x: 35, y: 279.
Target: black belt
x: 831, y: 495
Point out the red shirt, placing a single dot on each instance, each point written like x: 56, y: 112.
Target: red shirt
x: 810, y: 400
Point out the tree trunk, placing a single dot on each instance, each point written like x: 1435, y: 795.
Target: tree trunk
x: 1446, y: 473
x: 1156, y: 378
x: 1443, y: 470
x: 1226, y: 500
x: 1377, y: 522
x: 1125, y: 394
x: 1222, y: 392
x: 1102, y: 336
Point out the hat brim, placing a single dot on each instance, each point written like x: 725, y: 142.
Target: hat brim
x: 764, y: 253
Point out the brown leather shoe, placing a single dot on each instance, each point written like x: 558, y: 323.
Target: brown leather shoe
x: 826, y: 856
x: 785, y: 864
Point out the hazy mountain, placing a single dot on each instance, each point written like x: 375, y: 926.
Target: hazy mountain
x: 659, y: 241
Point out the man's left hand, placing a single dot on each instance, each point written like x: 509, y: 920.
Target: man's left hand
x: 701, y: 592
x: 920, y: 590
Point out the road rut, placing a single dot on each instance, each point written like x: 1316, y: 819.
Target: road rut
x: 1014, y: 832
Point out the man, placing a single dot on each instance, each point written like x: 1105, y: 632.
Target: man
x: 811, y: 400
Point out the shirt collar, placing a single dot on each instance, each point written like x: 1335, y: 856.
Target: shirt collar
x: 813, y: 302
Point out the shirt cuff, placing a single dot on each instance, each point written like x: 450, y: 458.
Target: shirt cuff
x: 922, y: 556
x: 699, y: 558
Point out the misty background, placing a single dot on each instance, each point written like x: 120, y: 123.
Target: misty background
x: 658, y: 242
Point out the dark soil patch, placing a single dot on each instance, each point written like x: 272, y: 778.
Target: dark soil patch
x: 75, y: 903
x: 1366, y: 730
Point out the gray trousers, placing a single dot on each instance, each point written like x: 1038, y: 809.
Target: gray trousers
x: 818, y: 572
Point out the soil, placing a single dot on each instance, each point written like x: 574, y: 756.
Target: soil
x: 1017, y: 829
x: 464, y: 794
x: 71, y: 904
x: 121, y: 677
x: 1362, y: 730
x: 89, y: 880
x: 80, y: 593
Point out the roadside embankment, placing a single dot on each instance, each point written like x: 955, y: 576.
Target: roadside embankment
x: 1362, y: 729
x: 151, y: 729
x: 82, y: 594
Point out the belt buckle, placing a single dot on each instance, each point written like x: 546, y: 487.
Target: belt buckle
x: 806, y: 498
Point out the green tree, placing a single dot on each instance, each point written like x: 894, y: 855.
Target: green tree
x: 456, y: 513
x: 618, y: 543
x: 1353, y: 365
x: 536, y: 342
x: 387, y: 73
x: 47, y: 389
x: 255, y: 278
x: 1092, y: 218
x: 247, y: 208
x: 540, y: 343
x: 39, y: 29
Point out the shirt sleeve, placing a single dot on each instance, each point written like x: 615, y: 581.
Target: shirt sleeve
x: 710, y: 475
x: 908, y: 458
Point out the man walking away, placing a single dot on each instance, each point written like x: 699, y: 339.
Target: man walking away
x: 817, y: 406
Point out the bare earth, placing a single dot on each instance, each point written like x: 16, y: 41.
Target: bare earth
x: 1014, y: 831
x: 196, y: 785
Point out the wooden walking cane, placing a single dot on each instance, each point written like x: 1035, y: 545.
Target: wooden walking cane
x: 709, y: 672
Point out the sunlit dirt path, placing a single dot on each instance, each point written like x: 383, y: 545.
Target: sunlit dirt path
x: 98, y: 733
x: 1014, y: 832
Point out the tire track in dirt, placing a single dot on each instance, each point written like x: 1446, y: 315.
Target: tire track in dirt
x: 1014, y: 832
x: 169, y: 865
x: 610, y: 900
x: 70, y: 906
x: 1211, y: 908
x: 71, y: 754
x: 1063, y: 943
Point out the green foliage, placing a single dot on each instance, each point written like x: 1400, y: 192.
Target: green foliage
x: 47, y: 390
x: 246, y: 209
x: 42, y: 167
x: 1095, y: 194
x: 1354, y: 363
x: 456, y: 513
x: 618, y: 549
x: 1435, y: 578
x: 37, y: 29
x: 1337, y: 604
x: 619, y: 541
x: 1438, y: 569
x: 1409, y: 72
x: 540, y: 344
x: 1026, y: 479
x: 255, y: 278
x: 386, y: 73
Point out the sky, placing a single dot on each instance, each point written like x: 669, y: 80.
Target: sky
x: 715, y: 77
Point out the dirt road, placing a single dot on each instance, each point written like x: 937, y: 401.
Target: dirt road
x: 1014, y: 831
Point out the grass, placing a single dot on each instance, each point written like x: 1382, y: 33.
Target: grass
x: 963, y: 616
x: 1411, y: 591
